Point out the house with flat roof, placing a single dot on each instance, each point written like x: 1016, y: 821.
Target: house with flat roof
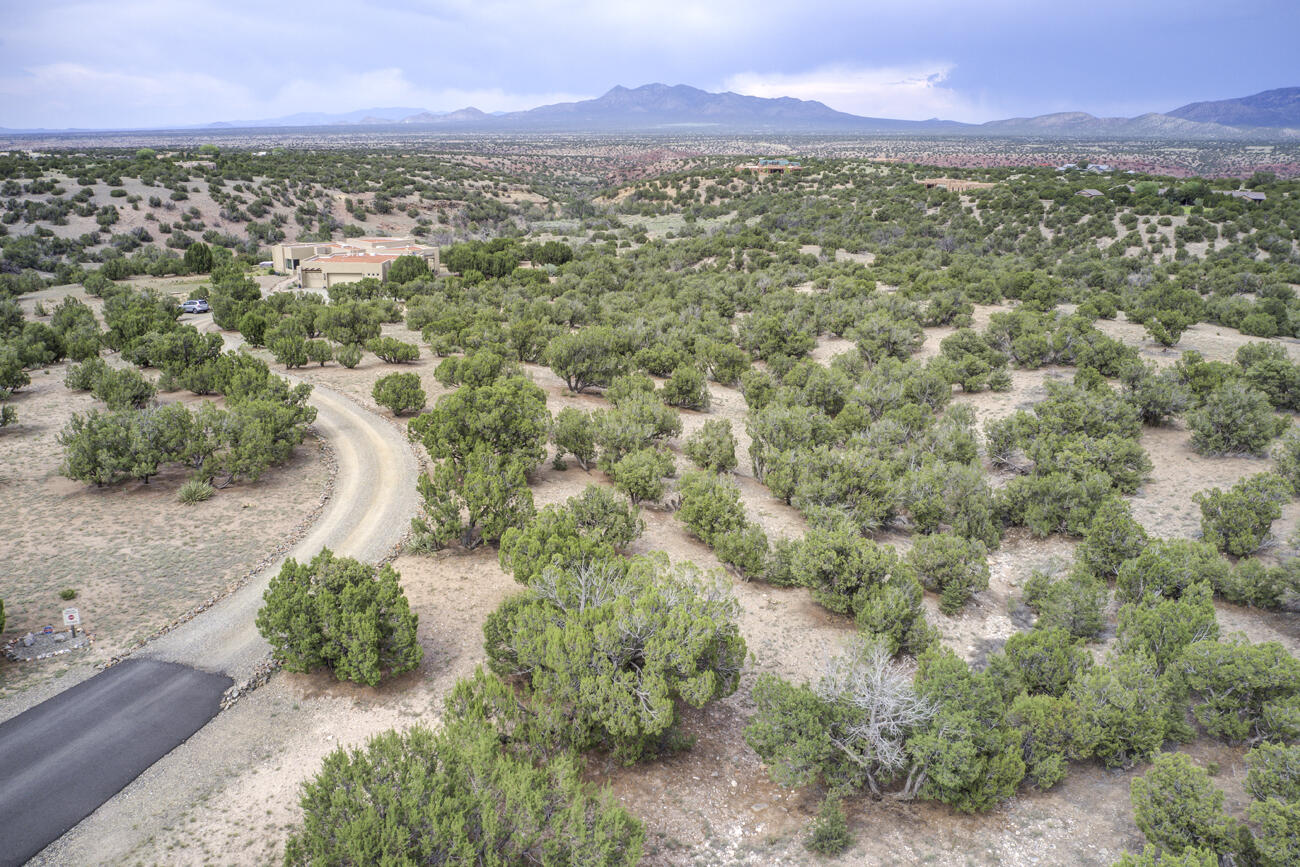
x: 772, y: 166
x: 322, y: 265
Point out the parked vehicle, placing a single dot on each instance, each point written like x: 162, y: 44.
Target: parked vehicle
x: 195, y: 305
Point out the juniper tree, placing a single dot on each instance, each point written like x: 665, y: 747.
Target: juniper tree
x: 341, y: 614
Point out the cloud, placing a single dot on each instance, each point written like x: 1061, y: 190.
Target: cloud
x: 915, y: 92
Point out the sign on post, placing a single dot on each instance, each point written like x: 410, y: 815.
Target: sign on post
x: 72, y: 618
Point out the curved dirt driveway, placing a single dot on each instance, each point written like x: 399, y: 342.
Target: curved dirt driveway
x: 373, y: 500
x: 370, y: 510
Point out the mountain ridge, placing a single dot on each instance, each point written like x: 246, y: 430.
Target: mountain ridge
x: 660, y: 107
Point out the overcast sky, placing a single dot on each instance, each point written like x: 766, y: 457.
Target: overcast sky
x: 155, y: 62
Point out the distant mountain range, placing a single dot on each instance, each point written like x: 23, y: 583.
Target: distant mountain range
x: 1271, y: 108
x: 1271, y: 114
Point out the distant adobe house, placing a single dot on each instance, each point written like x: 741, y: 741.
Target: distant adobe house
x: 1248, y: 195
x: 777, y: 166
x: 955, y: 185
x: 320, y: 266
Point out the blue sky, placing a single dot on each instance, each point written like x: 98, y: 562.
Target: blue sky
x: 153, y: 62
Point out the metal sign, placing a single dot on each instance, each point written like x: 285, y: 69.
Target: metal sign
x: 71, y: 617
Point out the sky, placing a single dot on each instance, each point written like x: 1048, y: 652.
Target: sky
x: 141, y: 63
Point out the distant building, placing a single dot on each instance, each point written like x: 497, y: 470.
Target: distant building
x: 1090, y: 193
x: 1248, y: 195
x: 322, y: 265
x: 955, y: 185
x: 769, y: 166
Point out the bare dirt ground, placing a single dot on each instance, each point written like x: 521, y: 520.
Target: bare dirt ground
x: 136, y: 555
x: 713, y: 804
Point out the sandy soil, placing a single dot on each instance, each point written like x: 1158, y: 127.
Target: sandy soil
x: 136, y: 556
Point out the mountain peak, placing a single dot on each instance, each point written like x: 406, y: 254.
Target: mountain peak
x: 1279, y: 107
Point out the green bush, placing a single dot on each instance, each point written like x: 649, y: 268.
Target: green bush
x: 1167, y: 567
x: 1161, y: 628
x: 289, y: 349
x: 1177, y: 808
x: 629, y: 385
x: 667, y: 637
x: 67, y: 594
x: 953, y: 566
x: 1236, y: 419
x: 1287, y: 458
x: 1273, y: 771
x: 1042, y: 661
x: 686, y: 388
x: 1126, y: 706
x: 457, y: 797
x: 319, y: 351
x: 829, y: 832
x: 1075, y: 601
x: 640, y: 474
x: 712, y: 447
x: 589, y: 358
x: 1051, y: 736
x: 400, y: 393
x: 573, y: 433
x: 1277, y: 841
x: 342, y: 614
x: 1112, y: 538
x: 1238, y: 521
x: 1154, y: 857
x: 348, y: 355
x: 84, y: 376
x: 123, y: 389
x: 392, y: 350
x: 553, y: 539
x: 1240, y: 690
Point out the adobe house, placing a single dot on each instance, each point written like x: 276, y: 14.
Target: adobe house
x: 767, y: 167
x: 320, y: 266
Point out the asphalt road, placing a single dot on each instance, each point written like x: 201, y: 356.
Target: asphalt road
x: 63, y: 758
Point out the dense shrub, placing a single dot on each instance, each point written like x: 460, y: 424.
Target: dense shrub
x: 392, y: 350
x: 1241, y: 691
x: 1112, y: 538
x: 400, y: 393
x: 610, y: 650
x: 954, y: 566
x: 1167, y: 567
x: 457, y: 796
x: 640, y: 474
x: 1126, y: 706
x: 1236, y: 419
x: 686, y: 387
x: 573, y: 434
x: 1287, y: 458
x: 338, y: 613
x: 1177, y: 807
x: 711, y: 509
x: 712, y: 447
x: 1074, y: 601
x: 1238, y: 521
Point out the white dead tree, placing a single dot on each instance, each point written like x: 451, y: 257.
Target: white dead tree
x: 883, y: 709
